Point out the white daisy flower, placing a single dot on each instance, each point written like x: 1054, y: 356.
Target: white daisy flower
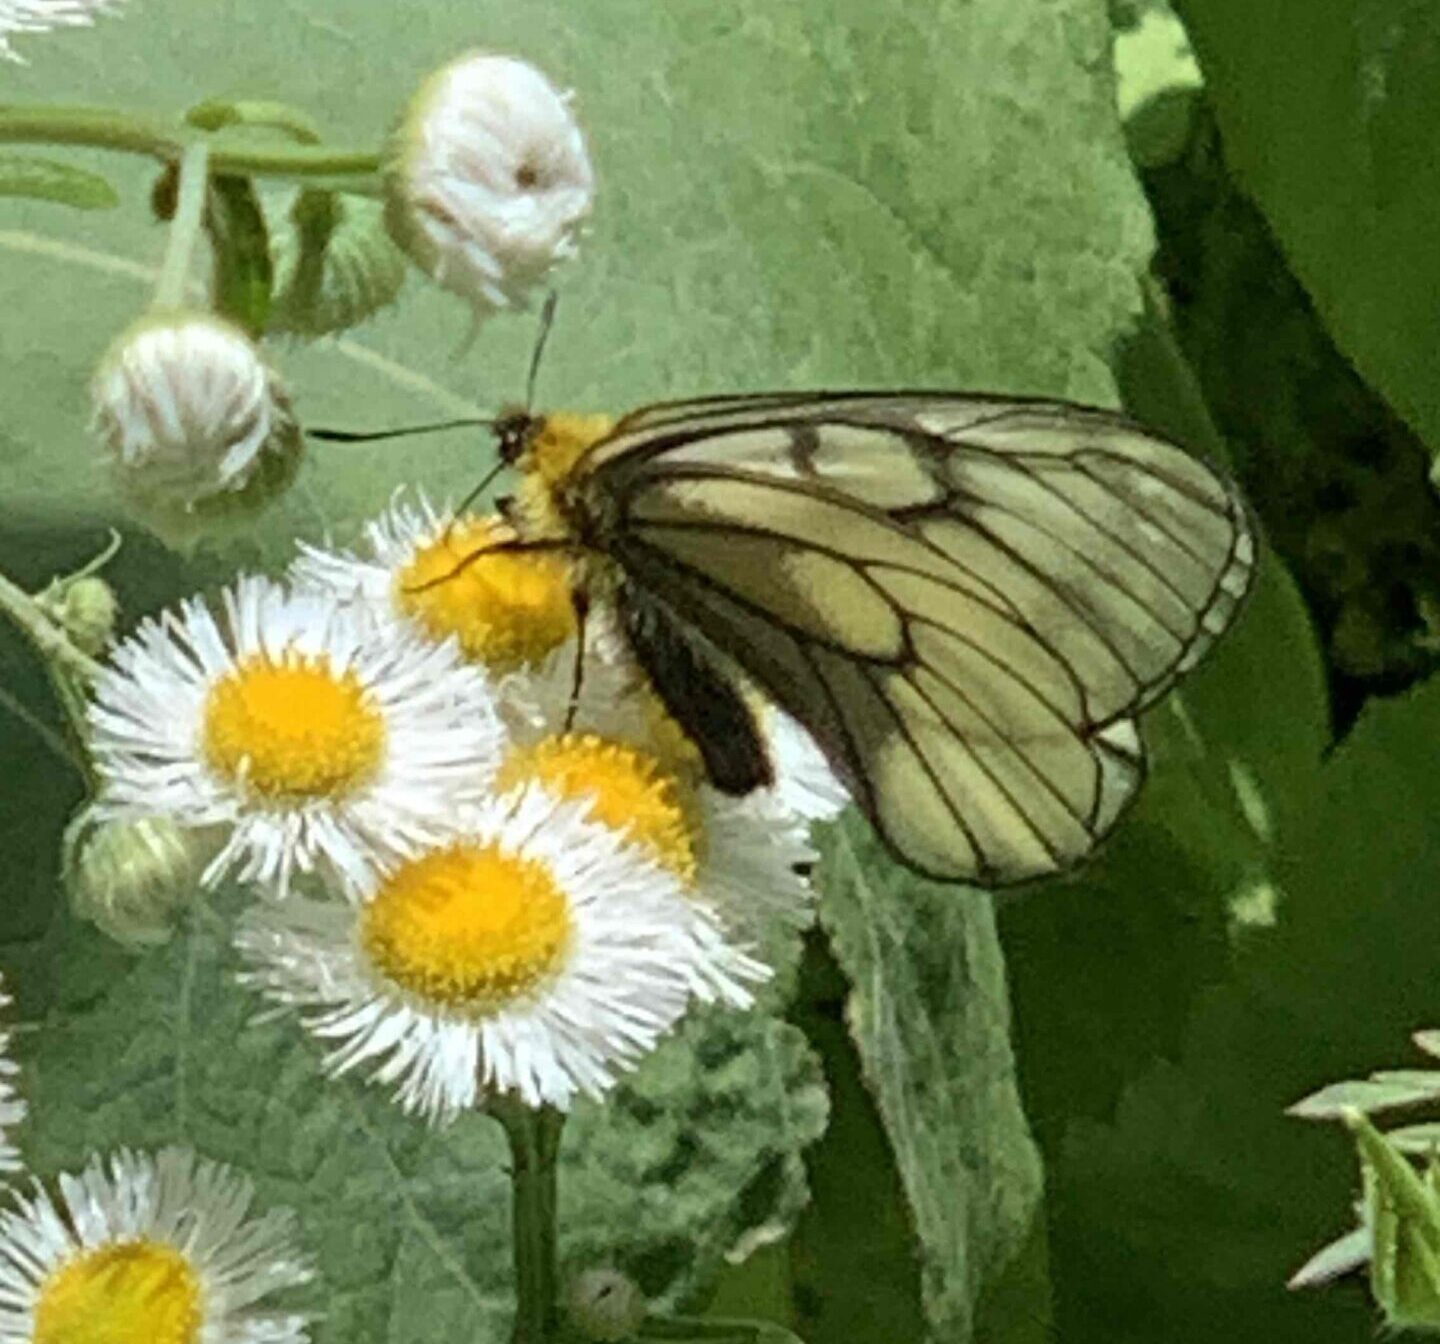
x: 805, y: 782
x: 143, y: 1249
x: 538, y: 953
x: 489, y: 179
x: 622, y: 756
x: 40, y: 16
x: 314, y: 736
x: 12, y: 1106
x: 197, y: 426
x: 506, y: 611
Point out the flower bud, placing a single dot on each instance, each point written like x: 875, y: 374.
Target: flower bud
x: 131, y: 879
x: 605, y: 1305
x: 489, y: 179
x: 197, y: 426
x: 85, y: 608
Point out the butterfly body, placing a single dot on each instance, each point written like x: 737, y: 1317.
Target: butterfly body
x: 965, y: 599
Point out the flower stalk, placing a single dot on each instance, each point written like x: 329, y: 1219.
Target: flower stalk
x: 185, y: 228
x: 114, y: 129
x: 534, y: 1138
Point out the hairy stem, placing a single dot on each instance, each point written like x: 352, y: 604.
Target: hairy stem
x: 52, y: 642
x: 185, y: 228
x: 534, y: 1138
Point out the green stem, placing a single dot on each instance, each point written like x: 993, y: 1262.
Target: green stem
x: 695, y: 1329
x: 52, y: 642
x: 534, y: 1138
x: 111, y: 128
x: 185, y: 227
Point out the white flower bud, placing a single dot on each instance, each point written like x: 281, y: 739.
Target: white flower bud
x: 131, y: 879
x: 605, y: 1305
x: 197, y: 426
x: 489, y: 179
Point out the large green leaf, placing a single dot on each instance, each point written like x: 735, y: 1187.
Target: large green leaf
x: 1327, y: 112
x: 810, y: 193
x: 930, y: 1014
x: 695, y: 1158
x: 1200, y: 1196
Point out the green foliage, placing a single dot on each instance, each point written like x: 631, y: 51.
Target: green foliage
x: 1337, y: 477
x: 40, y: 179
x: 930, y: 1014
x: 1336, y: 145
x: 1198, y: 1197
x: 695, y: 1158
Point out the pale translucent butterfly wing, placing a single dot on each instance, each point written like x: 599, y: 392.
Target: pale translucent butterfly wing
x: 966, y: 600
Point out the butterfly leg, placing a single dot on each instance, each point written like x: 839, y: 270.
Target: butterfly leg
x: 580, y: 600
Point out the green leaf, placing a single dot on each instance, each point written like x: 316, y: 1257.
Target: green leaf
x: 1337, y: 148
x: 1196, y: 1199
x: 1380, y: 1092
x: 46, y: 180
x: 1403, y: 1210
x: 243, y: 275
x: 695, y: 1159
x: 930, y: 1015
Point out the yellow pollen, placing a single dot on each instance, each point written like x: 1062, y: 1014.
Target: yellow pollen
x: 293, y: 728
x: 469, y: 926
x: 628, y: 790
x: 507, y: 610
x: 134, y: 1292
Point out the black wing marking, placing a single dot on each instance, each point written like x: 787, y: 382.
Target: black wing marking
x: 701, y: 698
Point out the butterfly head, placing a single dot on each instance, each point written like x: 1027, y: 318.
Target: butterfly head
x: 548, y: 451
x: 514, y: 429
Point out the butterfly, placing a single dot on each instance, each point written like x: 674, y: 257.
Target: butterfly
x: 966, y: 600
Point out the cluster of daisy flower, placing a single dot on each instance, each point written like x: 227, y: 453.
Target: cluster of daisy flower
x: 468, y: 880
x: 471, y: 874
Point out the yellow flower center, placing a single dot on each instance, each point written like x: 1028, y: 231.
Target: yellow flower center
x: 627, y: 789
x: 134, y: 1292
x: 508, y: 610
x: 293, y: 728
x: 468, y: 926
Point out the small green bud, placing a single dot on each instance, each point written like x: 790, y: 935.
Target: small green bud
x: 86, y: 609
x: 197, y: 426
x: 334, y: 264
x: 605, y: 1305
x: 131, y: 879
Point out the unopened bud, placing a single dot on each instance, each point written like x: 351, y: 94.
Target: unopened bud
x: 131, y: 879
x: 85, y: 608
x: 489, y: 179
x: 196, y: 424
x: 605, y: 1305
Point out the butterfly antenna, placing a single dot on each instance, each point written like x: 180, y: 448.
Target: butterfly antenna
x: 547, y: 320
x: 375, y: 435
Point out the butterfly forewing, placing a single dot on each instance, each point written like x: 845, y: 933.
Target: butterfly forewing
x: 966, y: 600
